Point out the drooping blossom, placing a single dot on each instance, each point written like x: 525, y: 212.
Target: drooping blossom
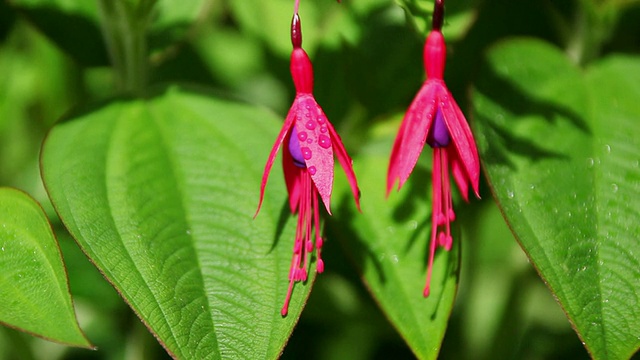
x: 308, y: 160
x: 434, y: 118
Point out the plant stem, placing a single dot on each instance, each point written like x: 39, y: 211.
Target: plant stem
x: 593, y: 25
x: 125, y: 31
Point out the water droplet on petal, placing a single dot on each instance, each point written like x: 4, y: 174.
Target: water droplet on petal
x: 312, y: 170
x: 323, y: 129
x: 306, y: 153
x: 321, y: 120
x: 310, y: 125
x: 302, y: 136
x: 309, y: 140
x: 324, y: 141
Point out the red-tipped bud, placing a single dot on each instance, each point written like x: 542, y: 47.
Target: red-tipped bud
x: 438, y: 15
x: 296, y: 31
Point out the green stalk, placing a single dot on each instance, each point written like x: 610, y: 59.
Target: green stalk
x: 124, y: 27
x: 592, y: 28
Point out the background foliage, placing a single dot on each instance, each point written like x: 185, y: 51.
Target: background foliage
x: 168, y: 110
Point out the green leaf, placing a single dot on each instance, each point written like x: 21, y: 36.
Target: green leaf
x: 561, y: 158
x: 34, y: 292
x: 388, y: 243
x: 160, y: 193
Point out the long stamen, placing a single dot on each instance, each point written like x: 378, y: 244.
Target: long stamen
x: 447, y: 202
x: 302, y: 232
x: 437, y: 211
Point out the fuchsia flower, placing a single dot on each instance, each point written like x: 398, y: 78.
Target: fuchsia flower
x: 435, y: 118
x: 310, y: 142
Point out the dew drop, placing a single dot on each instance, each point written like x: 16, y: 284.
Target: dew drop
x: 614, y: 187
x: 324, y: 141
x: 312, y: 170
x: 302, y: 136
x: 310, y: 125
x: 306, y: 153
x: 590, y: 162
x: 309, y: 140
x: 323, y: 129
x: 510, y: 194
x: 321, y: 120
x: 607, y: 148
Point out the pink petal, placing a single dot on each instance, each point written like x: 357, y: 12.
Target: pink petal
x: 459, y: 174
x: 274, y: 151
x: 345, y: 161
x: 292, y: 177
x: 311, y: 125
x: 412, y: 135
x: 462, y: 139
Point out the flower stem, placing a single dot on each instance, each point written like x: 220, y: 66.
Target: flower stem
x: 124, y: 27
x: 438, y: 15
x: 592, y: 28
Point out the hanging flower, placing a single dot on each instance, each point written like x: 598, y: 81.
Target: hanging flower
x: 308, y: 163
x: 434, y: 118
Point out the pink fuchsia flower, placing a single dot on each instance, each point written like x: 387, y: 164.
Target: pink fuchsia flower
x: 434, y: 118
x: 308, y: 162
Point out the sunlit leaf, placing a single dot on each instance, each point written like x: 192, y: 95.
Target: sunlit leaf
x: 562, y: 159
x: 160, y: 193
x: 388, y: 243
x: 34, y: 292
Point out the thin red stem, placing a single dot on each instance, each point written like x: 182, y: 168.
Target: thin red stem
x: 438, y: 15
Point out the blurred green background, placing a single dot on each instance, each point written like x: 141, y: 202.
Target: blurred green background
x: 367, y: 57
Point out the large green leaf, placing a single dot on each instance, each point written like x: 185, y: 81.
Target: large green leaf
x: 160, y: 194
x: 388, y: 243
x: 562, y: 159
x: 34, y: 292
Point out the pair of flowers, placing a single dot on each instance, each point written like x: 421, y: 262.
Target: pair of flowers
x: 311, y: 142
